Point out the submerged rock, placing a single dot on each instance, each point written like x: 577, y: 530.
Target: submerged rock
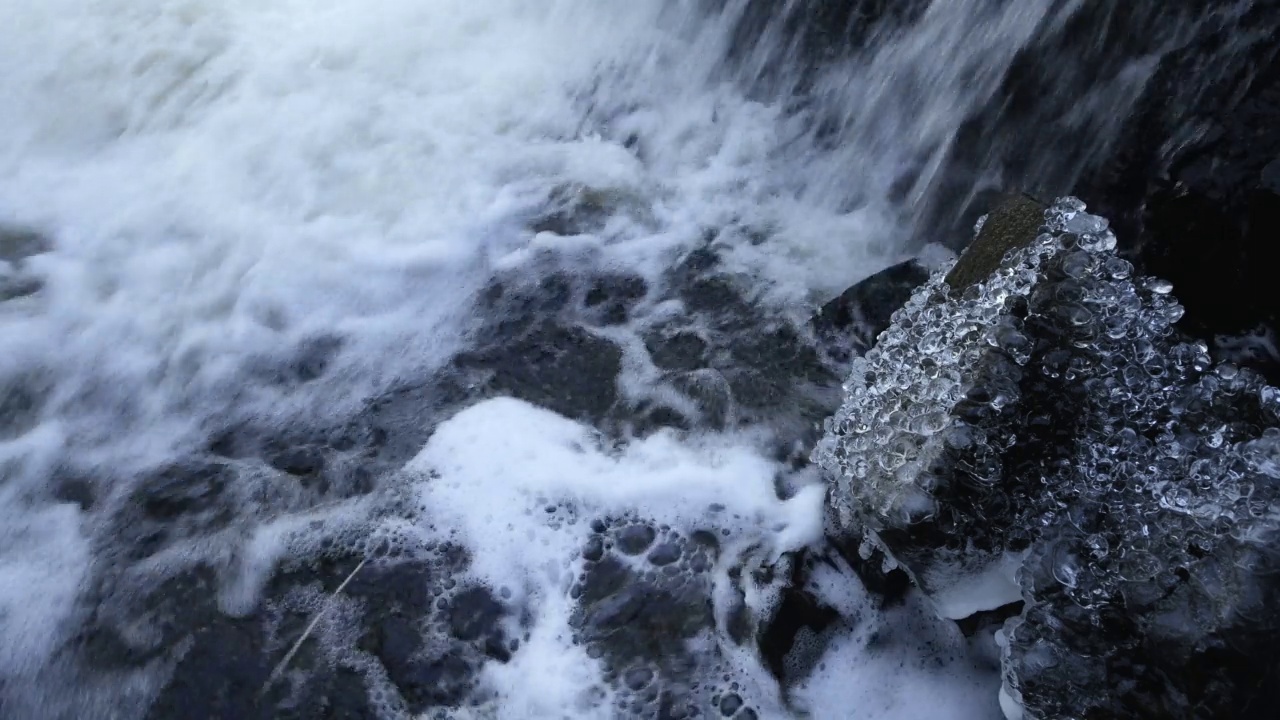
x: 1045, y: 436
x: 644, y: 608
x: 16, y: 245
x: 847, y: 326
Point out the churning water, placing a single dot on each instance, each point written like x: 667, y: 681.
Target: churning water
x: 205, y: 190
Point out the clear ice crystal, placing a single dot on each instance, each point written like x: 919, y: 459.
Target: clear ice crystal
x: 1055, y: 412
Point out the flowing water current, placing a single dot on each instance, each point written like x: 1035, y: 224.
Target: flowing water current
x: 210, y: 191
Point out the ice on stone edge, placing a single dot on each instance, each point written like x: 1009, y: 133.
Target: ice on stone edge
x: 1169, y: 472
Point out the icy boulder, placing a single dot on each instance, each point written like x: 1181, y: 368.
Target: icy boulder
x: 1033, y: 428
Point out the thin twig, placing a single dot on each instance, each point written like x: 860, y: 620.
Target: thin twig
x: 275, y: 674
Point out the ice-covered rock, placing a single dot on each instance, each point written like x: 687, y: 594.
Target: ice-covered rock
x: 1044, y: 434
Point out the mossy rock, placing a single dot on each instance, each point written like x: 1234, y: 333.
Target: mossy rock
x: 1014, y: 223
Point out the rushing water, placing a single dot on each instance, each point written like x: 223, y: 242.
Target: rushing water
x: 223, y: 183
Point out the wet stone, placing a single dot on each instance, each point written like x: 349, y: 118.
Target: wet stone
x: 306, y: 361
x: 799, y: 611
x: 593, y: 550
x: 220, y: 677
x: 182, y: 489
x: 1049, y: 423
x: 18, y: 243
x: 476, y: 616
x: 639, y: 623
x: 849, y: 324
x: 637, y: 678
x: 678, y: 350
x: 74, y: 489
x: 565, y: 369
x: 14, y: 286
x: 1012, y: 225
x: 710, y: 393
x: 171, y: 610
x: 182, y: 501
x: 1191, y: 182
x: 664, y: 554
x: 634, y: 539
x: 21, y: 400
x: 610, y: 298
x: 300, y: 461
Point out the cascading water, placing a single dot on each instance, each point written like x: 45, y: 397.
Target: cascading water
x: 228, y: 228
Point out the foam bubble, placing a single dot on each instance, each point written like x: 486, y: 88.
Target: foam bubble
x: 501, y: 461
x: 901, y: 664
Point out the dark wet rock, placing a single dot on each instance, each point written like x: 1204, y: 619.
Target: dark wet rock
x: 637, y: 678
x: 13, y: 287
x: 664, y: 554
x: 565, y: 369
x: 476, y: 616
x: 709, y: 394
x: 798, y: 611
x: 610, y: 298
x: 1011, y: 225
x: 18, y: 243
x: 1190, y: 185
x: 431, y: 635
x: 774, y: 370
x: 1051, y: 124
x: 21, y: 400
x: 849, y: 324
x: 409, y: 612
x: 71, y: 488
x: 880, y: 575
x: 226, y: 675
x: 513, y: 301
x: 170, y: 610
x: 219, y: 678
x: 1048, y: 437
x: 639, y: 623
x: 394, y: 426
x: 634, y: 539
x: 676, y: 350
x: 306, y: 361
x: 300, y: 461
x: 182, y: 489
x: 183, y: 501
x: 578, y: 210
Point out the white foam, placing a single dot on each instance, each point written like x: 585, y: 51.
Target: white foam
x: 490, y: 472
x: 924, y: 670
x: 43, y: 551
x: 548, y: 677
x: 503, y: 461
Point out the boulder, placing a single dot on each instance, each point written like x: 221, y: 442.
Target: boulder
x: 1043, y: 435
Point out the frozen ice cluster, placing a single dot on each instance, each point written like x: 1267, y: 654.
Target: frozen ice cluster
x: 1048, y: 436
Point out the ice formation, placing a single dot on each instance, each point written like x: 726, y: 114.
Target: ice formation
x: 1050, y: 426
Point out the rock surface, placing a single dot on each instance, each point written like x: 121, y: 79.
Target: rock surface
x: 1191, y: 185
x: 411, y: 632
x: 1045, y: 436
x: 17, y: 244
